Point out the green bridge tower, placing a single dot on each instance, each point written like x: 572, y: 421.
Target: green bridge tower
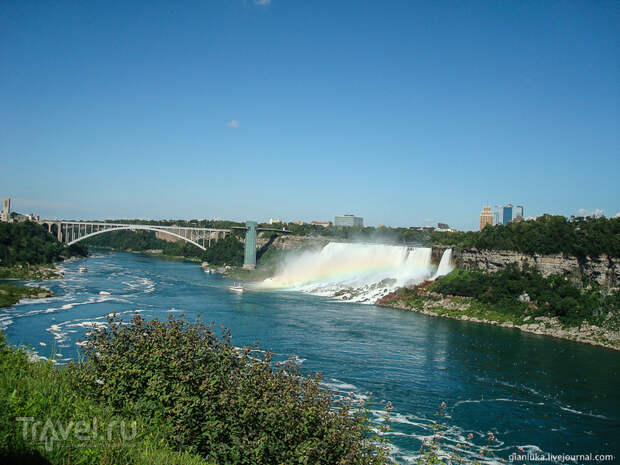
x: 249, y: 261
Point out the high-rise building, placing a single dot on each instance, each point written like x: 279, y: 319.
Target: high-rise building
x: 6, y: 210
x: 507, y: 214
x: 498, y: 215
x: 486, y: 217
x: 518, y: 211
x: 349, y: 220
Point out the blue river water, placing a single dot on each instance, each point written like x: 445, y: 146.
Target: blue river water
x: 532, y: 392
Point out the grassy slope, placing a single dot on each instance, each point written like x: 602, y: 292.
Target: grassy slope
x: 43, y: 391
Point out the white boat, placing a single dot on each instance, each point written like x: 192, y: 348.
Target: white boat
x: 82, y: 269
x: 236, y: 287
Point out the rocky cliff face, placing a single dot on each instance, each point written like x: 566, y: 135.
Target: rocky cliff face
x: 603, y: 269
x: 290, y: 242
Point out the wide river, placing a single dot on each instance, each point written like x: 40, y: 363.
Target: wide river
x: 535, y: 392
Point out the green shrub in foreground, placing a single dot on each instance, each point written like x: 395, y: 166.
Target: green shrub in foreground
x: 228, y: 405
x: 43, y: 392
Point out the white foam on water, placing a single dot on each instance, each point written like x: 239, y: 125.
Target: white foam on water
x: 587, y: 414
x: 145, y: 285
x: 478, y: 401
x: 5, y: 321
x: 337, y: 385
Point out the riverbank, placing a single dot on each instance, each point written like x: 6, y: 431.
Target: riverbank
x: 156, y: 253
x: 468, y: 309
x: 30, y: 273
x: 10, y: 295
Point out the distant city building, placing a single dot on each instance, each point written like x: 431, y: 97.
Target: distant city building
x: 518, y: 211
x: 498, y: 215
x: 443, y: 226
x: 325, y: 224
x: 20, y: 218
x: 30, y: 217
x: 486, y: 217
x: 299, y: 222
x: 6, y: 210
x: 349, y: 221
x: 507, y: 214
x: 504, y: 214
x: 275, y: 221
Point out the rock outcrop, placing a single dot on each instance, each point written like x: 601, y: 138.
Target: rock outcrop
x: 603, y: 269
x: 290, y: 242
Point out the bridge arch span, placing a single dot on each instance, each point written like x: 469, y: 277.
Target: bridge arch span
x: 134, y: 228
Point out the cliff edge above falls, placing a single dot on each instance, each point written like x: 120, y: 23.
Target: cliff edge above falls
x: 602, y: 269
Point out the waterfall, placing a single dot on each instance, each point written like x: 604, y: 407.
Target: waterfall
x: 355, y: 272
x: 445, y: 266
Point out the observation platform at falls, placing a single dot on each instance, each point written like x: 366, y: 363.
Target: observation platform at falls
x: 72, y: 232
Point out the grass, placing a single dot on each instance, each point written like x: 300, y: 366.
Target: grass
x: 41, y: 391
x: 419, y: 300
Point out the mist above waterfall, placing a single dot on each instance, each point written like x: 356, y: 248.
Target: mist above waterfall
x: 356, y: 272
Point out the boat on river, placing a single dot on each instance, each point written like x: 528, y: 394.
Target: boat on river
x: 236, y: 288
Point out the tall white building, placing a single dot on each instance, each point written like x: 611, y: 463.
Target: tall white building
x: 6, y: 210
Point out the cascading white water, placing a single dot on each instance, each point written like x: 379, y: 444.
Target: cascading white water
x: 356, y: 272
x: 445, y: 265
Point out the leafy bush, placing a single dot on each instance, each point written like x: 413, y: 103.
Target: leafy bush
x: 44, y: 392
x: 229, y: 405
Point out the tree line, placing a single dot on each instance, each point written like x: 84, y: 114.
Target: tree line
x: 227, y: 251
x: 547, y: 234
x: 29, y: 243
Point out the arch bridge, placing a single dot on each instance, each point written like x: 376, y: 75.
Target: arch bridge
x: 72, y: 232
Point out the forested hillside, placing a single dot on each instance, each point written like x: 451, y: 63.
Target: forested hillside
x: 29, y: 243
x: 545, y: 235
x: 227, y: 251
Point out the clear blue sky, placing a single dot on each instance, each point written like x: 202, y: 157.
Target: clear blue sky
x: 402, y: 112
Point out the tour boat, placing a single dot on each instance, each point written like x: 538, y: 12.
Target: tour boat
x: 236, y: 287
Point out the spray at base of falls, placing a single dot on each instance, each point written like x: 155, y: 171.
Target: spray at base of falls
x: 357, y: 272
